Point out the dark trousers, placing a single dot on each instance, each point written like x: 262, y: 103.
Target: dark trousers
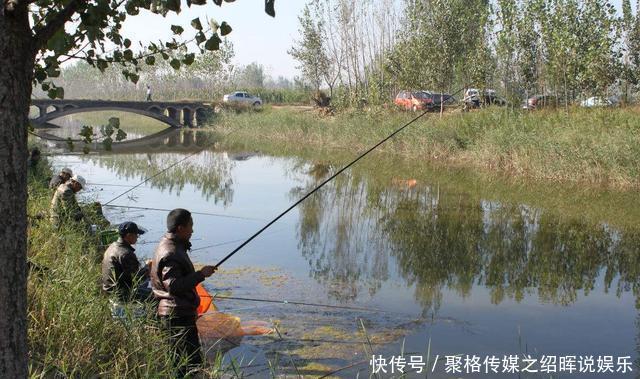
x: 183, y: 336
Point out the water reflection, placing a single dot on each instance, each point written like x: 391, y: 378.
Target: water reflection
x: 352, y: 231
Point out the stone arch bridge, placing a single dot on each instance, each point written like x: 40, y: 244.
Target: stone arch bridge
x: 175, y: 114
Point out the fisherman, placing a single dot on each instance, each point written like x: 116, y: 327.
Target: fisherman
x: 64, y: 206
x: 64, y: 175
x: 121, y: 271
x: 173, y: 280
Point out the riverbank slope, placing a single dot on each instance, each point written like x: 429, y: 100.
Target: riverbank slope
x: 599, y: 147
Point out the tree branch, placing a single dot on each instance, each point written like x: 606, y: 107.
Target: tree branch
x: 57, y: 22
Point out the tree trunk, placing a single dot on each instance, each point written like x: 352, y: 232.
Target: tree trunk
x: 16, y: 59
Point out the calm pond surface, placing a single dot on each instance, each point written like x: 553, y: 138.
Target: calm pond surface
x: 458, y: 263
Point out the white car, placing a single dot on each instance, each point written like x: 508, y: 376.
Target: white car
x: 598, y: 101
x: 242, y: 97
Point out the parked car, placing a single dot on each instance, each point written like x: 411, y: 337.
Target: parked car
x: 419, y: 100
x: 540, y: 101
x: 475, y: 98
x: 599, y: 101
x: 441, y: 98
x: 243, y: 98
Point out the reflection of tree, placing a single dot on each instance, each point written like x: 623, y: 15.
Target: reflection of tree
x: 208, y: 172
x: 334, y: 235
x: 352, y: 227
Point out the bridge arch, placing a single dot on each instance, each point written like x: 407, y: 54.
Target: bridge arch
x: 70, y: 109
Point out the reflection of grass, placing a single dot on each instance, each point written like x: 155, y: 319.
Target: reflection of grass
x: 335, y: 141
x: 600, y: 146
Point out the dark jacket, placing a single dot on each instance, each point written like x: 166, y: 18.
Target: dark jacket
x: 174, y: 279
x: 121, y: 269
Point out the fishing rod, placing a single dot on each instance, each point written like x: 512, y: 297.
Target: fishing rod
x: 323, y: 183
x: 197, y: 213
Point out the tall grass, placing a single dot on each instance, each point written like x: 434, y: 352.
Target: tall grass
x: 71, y: 331
x: 600, y: 146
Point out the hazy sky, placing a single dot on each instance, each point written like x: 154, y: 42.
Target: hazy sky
x: 256, y: 36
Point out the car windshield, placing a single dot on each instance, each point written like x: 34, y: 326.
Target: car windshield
x: 421, y: 95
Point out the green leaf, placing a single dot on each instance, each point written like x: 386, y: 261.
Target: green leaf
x: 188, y: 59
x: 107, y: 143
x: 200, y: 37
x: 127, y: 42
x: 121, y: 135
x: 225, y: 29
x: 40, y: 74
x: 175, y: 63
x: 150, y: 60
x: 195, y: 23
x: 269, y: 7
x: 53, y: 72
x: 134, y: 78
x: 45, y: 86
x: 177, y: 29
x: 128, y: 54
x: 58, y: 42
x: 173, y: 5
x: 213, y: 43
x: 165, y: 56
x: 114, y: 122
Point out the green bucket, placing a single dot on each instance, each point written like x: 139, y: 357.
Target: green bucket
x: 108, y: 236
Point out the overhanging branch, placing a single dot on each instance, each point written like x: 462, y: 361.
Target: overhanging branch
x: 57, y: 22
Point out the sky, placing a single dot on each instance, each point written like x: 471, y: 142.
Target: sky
x: 256, y: 36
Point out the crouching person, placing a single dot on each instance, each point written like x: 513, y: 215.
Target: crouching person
x: 173, y: 279
x: 121, y: 270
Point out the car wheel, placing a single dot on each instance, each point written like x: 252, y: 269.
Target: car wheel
x: 256, y: 103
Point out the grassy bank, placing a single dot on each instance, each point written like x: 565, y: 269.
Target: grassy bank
x: 71, y: 331
x: 596, y: 147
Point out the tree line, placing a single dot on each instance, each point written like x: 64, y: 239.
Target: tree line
x: 370, y: 49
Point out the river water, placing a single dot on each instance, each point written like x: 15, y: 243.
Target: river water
x: 454, y: 269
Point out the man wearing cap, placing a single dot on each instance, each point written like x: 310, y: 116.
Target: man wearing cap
x: 64, y: 175
x: 174, y: 280
x: 64, y: 206
x: 121, y: 271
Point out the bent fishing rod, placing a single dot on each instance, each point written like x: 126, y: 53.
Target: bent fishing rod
x: 323, y: 183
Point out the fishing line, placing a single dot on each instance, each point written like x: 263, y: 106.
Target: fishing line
x: 169, y: 167
x: 323, y: 183
x: 299, y: 303
x: 233, y: 241
x: 197, y: 213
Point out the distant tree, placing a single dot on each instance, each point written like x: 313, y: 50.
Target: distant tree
x: 36, y: 36
x: 309, y: 51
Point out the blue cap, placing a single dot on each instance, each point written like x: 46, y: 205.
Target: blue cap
x: 130, y: 227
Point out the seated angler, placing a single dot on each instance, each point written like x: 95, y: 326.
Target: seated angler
x: 121, y: 271
x: 63, y: 177
x: 64, y: 206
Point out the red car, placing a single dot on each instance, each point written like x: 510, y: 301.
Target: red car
x: 414, y: 101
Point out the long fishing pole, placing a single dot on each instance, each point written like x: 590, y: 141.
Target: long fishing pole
x: 197, y: 213
x: 322, y: 184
